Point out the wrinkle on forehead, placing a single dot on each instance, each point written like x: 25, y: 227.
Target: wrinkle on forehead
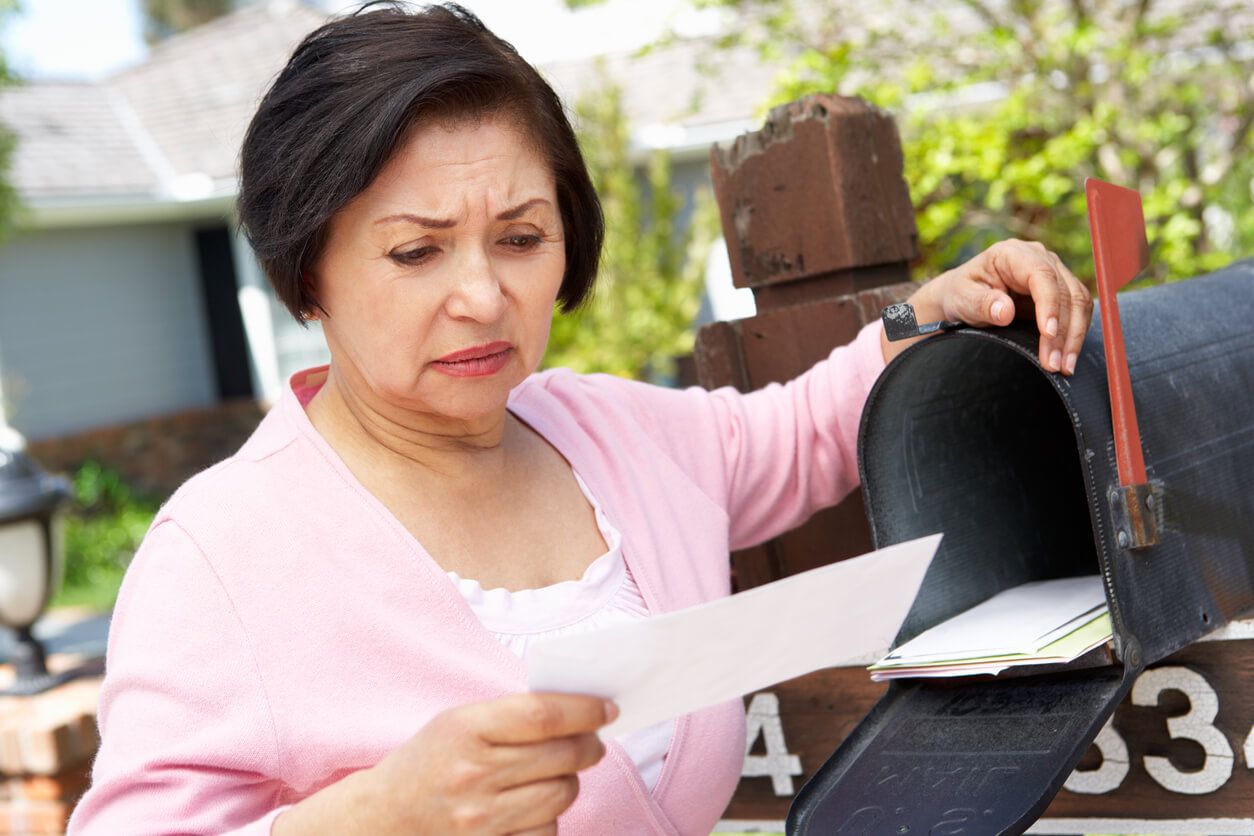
x: 444, y: 171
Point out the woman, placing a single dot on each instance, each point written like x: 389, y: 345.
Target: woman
x: 327, y: 632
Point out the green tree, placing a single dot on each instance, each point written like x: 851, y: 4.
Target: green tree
x: 163, y: 18
x: 649, y: 288
x: 1006, y: 106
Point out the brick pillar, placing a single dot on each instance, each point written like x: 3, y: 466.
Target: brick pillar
x: 818, y: 223
x: 47, y: 742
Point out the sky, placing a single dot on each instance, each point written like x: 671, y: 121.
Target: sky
x: 87, y: 39
x: 72, y: 38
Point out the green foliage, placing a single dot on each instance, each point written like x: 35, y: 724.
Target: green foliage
x: 103, y: 529
x: 1005, y: 109
x: 649, y: 287
x: 163, y: 18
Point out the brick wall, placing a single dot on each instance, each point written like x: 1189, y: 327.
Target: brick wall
x: 47, y: 743
x: 156, y: 455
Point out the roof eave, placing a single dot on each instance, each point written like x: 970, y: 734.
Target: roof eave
x: 42, y: 213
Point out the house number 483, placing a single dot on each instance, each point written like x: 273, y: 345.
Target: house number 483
x: 1198, y: 725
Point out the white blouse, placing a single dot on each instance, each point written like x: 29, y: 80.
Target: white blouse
x: 607, y: 594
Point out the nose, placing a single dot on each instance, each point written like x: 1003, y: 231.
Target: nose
x: 476, y: 292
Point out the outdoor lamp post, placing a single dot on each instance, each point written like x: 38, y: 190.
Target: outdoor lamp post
x: 31, y: 558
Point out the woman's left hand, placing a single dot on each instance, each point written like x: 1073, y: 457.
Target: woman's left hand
x: 1011, y: 279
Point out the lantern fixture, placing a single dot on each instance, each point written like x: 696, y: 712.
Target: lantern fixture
x: 31, y: 560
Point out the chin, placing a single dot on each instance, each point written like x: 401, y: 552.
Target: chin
x: 473, y: 398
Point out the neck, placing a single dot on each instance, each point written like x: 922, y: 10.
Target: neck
x: 362, y: 425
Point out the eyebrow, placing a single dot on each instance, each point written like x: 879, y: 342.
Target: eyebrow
x: 444, y: 223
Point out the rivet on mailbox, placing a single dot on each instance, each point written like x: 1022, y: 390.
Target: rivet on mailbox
x: 1033, y: 476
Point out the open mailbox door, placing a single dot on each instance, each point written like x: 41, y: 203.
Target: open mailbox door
x: 965, y: 433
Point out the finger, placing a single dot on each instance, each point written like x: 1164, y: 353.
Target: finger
x: 1043, y: 286
x: 976, y: 303
x: 531, y: 718
x: 527, y: 763
x: 535, y: 805
x: 1081, y: 316
x: 543, y: 830
x: 1056, y: 356
x: 1020, y: 268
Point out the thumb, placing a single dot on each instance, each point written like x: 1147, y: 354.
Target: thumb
x: 979, y: 304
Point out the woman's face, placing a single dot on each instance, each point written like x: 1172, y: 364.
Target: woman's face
x: 439, y: 280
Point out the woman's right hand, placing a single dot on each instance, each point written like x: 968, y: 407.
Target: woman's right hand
x: 504, y: 766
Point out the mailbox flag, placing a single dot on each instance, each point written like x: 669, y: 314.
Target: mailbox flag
x: 1120, y: 252
x: 1117, y: 222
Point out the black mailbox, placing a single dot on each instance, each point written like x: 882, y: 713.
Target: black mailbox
x: 965, y: 433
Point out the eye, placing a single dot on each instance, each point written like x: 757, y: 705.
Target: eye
x: 414, y: 256
x: 521, y: 243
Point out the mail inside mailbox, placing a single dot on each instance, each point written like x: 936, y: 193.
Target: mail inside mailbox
x: 975, y: 442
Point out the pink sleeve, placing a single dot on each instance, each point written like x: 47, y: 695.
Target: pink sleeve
x: 187, y: 741
x: 774, y: 456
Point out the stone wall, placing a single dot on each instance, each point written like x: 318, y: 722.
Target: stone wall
x: 156, y: 455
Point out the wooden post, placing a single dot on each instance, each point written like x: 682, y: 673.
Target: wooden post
x: 819, y: 224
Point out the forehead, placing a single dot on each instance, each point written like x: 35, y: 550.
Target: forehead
x: 487, y: 153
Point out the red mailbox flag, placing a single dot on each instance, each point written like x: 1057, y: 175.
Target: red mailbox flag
x: 1120, y: 253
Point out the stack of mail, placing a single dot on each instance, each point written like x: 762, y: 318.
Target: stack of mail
x: 1039, y: 623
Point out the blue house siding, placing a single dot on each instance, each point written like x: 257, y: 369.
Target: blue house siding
x: 100, y: 326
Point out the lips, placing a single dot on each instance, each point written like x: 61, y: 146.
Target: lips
x: 476, y: 352
x: 478, y: 361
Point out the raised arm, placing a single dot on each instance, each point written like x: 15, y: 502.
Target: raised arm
x: 772, y: 457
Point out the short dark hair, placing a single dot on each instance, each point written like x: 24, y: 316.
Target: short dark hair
x: 346, y: 99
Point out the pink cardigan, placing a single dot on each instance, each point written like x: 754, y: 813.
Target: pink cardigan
x: 279, y: 628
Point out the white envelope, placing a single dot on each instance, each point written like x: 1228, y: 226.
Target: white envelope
x: 659, y: 668
x: 1018, y: 620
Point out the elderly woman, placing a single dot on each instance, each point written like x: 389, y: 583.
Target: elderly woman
x: 328, y: 631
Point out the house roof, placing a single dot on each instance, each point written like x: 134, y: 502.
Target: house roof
x: 164, y: 131
x: 72, y: 139
x: 196, y: 92
x: 168, y: 130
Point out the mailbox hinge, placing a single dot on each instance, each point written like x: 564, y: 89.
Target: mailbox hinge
x: 1137, y: 513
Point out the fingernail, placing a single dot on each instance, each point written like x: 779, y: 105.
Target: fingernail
x: 611, y: 711
x: 1051, y: 327
x: 1071, y: 358
x: 999, y: 308
x: 1055, y: 360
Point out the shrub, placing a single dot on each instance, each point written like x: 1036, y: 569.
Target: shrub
x: 103, y: 528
